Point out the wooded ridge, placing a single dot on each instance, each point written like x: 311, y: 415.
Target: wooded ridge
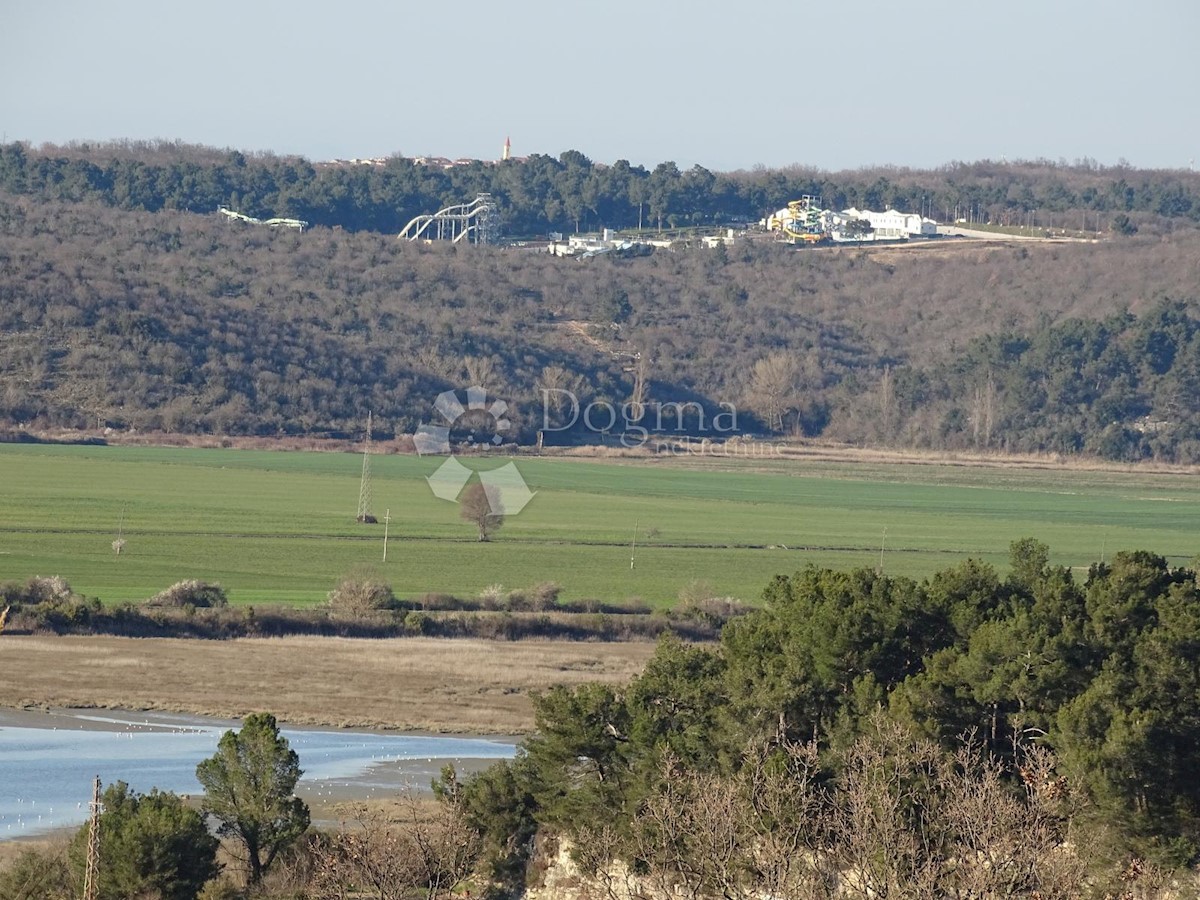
x: 121, y: 311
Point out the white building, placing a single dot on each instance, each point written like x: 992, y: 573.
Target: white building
x: 893, y: 224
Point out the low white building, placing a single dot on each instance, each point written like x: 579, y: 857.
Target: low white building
x: 712, y: 241
x: 893, y: 224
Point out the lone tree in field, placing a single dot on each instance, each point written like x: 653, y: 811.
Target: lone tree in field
x: 249, y: 786
x: 482, y: 505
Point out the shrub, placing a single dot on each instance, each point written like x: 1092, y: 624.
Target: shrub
x: 695, y: 592
x: 417, y: 623
x: 492, y: 596
x: 539, y: 598
x: 358, y: 596
x: 38, y: 589
x: 191, y: 593
x: 712, y: 610
x: 38, y: 873
x: 444, y: 601
x: 545, y: 595
x: 517, y: 601
x: 631, y: 606
x: 74, y: 614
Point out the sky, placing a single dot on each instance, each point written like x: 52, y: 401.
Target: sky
x: 728, y: 85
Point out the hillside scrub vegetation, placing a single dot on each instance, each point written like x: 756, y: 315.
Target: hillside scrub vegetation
x: 176, y: 322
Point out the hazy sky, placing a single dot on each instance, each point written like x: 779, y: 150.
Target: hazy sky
x: 835, y: 84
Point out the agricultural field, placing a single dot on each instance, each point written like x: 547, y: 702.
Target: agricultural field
x: 278, y: 527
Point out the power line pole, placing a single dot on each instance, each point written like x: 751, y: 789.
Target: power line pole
x: 633, y: 546
x: 119, y: 544
x: 387, y: 518
x: 364, y: 485
x: 91, y: 877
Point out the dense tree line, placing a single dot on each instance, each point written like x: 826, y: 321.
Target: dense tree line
x: 820, y: 716
x: 184, y: 323
x: 571, y: 192
x: 1125, y: 388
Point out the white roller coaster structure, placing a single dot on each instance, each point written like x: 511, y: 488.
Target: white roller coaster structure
x: 298, y: 224
x: 474, y: 222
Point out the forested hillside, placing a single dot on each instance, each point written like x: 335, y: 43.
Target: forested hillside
x: 128, y: 312
x: 543, y: 193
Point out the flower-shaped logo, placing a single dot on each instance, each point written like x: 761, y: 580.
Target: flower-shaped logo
x: 507, y: 491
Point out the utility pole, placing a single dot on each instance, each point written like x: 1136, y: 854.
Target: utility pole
x: 633, y: 545
x: 882, y: 545
x: 119, y: 544
x: 364, y: 485
x: 387, y: 517
x: 91, y: 876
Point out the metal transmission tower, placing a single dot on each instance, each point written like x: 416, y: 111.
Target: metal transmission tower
x: 364, y: 486
x: 91, y: 875
x: 475, y: 222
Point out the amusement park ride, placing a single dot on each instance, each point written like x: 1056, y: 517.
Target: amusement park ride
x: 474, y: 222
x: 803, y: 221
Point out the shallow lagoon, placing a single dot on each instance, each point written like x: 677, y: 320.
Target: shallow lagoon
x: 48, y: 760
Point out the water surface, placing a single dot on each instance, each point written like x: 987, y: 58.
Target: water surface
x: 48, y: 760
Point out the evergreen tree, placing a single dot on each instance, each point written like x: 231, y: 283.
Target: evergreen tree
x: 249, y: 787
x: 151, y: 845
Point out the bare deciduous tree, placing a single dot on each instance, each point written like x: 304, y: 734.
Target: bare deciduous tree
x: 483, y: 506
x: 598, y: 851
x: 786, y: 821
x: 983, y: 411
x: 444, y: 844
x: 772, y: 388
x: 432, y: 359
x: 904, y: 819
x: 555, y: 387
x: 887, y: 403
x: 641, y: 387
x: 1008, y: 843
x: 687, y: 834
x: 423, y: 848
x: 481, y: 370
x: 885, y: 845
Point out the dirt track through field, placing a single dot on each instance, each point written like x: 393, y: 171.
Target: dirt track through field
x: 462, y: 686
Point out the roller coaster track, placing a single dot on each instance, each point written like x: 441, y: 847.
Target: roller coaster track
x: 278, y: 222
x: 474, y: 222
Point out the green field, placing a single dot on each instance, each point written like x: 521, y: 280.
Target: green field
x: 279, y: 526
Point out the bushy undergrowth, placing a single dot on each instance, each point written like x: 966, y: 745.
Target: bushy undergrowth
x: 198, y: 594
x: 358, y: 607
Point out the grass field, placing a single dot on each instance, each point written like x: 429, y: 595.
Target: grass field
x: 279, y: 526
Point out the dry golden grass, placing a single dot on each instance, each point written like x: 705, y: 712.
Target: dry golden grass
x: 462, y: 686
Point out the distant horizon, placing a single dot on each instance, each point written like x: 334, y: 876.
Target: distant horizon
x: 1086, y: 162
